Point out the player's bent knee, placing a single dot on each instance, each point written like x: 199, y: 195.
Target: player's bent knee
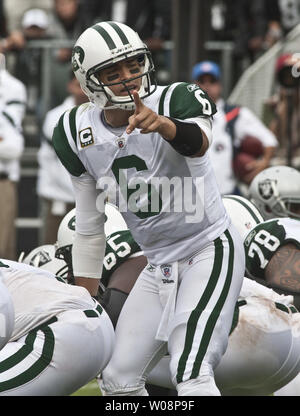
x: 114, y: 385
x: 200, y: 386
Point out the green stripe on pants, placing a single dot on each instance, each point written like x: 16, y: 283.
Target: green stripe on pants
x: 210, y: 325
x: 195, y: 315
x: 42, y: 362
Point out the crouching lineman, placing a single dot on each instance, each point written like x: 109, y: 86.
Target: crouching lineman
x: 7, y: 314
x: 264, y: 344
x: 268, y: 323
x: 62, y: 337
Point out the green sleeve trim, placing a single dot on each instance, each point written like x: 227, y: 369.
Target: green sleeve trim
x: 64, y: 151
x: 188, y: 100
x: 72, y: 121
x: 3, y: 264
x: 9, y: 118
x: 162, y: 101
x: 15, y: 102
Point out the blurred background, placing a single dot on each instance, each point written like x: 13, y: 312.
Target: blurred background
x: 255, y: 44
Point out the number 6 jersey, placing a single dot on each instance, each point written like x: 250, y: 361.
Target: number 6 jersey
x: 172, y: 203
x: 265, y: 238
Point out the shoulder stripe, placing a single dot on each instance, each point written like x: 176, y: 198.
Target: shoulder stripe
x: 165, y: 99
x: 15, y: 102
x: 255, y: 217
x: 9, y: 118
x: 64, y: 151
x: 120, y: 32
x: 72, y: 121
x: 105, y: 35
x: 162, y: 100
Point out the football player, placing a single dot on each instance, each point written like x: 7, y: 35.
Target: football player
x: 130, y: 135
x: 7, y: 314
x: 272, y: 248
x: 264, y: 325
x: 62, y: 337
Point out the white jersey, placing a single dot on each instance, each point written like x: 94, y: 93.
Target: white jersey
x: 7, y: 314
x: 12, y: 110
x: 53, y: 180
x: 221, y: 151
x: 37, y: 295
x: 173, y: 229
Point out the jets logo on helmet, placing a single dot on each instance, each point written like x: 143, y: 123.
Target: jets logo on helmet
x: 71, y: 223
x: 103, y: 45
x: 77, y: 57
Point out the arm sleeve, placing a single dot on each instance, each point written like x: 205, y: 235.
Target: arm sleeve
x: 12, y: 141
x: 15, y: 105
x: 205, y: 125
x: 89, y: 242
x: 248, y: 124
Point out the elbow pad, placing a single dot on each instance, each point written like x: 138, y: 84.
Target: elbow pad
x: 188, y: 140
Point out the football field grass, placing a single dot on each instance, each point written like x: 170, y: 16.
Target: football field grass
x: 90, y: 389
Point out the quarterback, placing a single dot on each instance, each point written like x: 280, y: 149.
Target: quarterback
x: 131, y: 131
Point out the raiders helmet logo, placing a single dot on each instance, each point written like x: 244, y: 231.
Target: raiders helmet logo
x: 265, y: 188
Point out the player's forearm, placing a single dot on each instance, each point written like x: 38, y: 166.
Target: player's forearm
x: 188, y: 140
x: 87, y: 257
x: 91, y: 285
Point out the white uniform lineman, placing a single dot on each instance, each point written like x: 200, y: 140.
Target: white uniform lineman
x: 7, y: 314
x: 62, y: 338
x: 263, y: 348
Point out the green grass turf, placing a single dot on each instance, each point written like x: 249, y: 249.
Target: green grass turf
x: 90, y: 389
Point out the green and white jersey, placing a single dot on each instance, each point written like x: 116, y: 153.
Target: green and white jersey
x: 119, y: 247
x: 37, y: 296
x: 171, y: 203
x: 265, y: 238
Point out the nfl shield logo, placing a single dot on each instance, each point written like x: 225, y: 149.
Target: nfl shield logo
x: 120, y: 142
x: 166, y: 270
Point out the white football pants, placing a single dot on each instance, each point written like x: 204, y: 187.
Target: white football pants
x: 59, y: 356
x: 263, y: 352
x: 197, y: 328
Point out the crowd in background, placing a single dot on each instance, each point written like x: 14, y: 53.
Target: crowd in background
x: 252, y: 25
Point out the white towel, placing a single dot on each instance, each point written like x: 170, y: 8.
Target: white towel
x: 166, y: 276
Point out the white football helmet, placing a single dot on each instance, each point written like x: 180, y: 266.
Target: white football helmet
x: 101, y: 46
x: 44, y: 258
x: 244, y: 215
x: 276, y: 192
x: 66, y: 231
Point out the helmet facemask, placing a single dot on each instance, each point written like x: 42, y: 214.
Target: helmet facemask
x: 102, y: 93
x: 65, y: 253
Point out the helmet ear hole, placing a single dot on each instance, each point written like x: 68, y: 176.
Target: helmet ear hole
x: 268, y: 209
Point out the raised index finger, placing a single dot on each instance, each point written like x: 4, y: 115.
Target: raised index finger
x: 137, y: 101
